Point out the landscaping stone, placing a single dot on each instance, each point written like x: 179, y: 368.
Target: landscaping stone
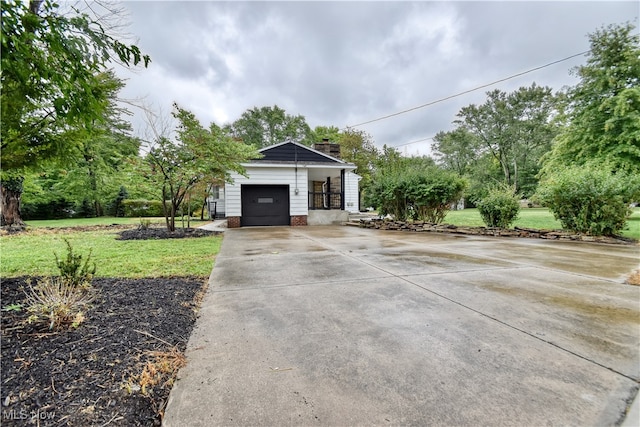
x: 420, y: 226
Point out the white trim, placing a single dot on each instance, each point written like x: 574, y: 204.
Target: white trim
x: 302, y: 165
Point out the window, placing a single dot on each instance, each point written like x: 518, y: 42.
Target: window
x: 215, y: 192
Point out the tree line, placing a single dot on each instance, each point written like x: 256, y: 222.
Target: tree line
x: 68, y: 150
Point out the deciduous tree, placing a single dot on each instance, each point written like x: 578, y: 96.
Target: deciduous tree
x: 50, y: 66
x: 194, y: 155
x: 265, y: 126
x: 515, y: 129
x: 602, y: 111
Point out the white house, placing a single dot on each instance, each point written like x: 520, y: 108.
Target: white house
x: 292, y: 184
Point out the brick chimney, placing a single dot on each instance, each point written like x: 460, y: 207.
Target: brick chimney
x: 327, y: 147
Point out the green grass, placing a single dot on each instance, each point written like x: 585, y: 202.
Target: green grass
x: 32, y: 253
x: 104, y: 220
x: 539, y: 218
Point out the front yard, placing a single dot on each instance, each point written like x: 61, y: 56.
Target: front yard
x: 118, y: 366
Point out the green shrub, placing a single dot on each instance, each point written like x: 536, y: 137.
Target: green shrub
x: 425, y: 194
x: 73, y: 270
x: 140, y: 207
x: 590, y: 199
x: 499, y: 208
x: 433, y: 192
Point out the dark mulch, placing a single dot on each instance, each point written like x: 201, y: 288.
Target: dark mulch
x: 163, y: 233
x: 76, y: 377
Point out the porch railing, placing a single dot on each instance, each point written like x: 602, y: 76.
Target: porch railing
x: 325, y: 200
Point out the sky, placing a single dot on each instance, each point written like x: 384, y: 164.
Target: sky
x: 345, y: 63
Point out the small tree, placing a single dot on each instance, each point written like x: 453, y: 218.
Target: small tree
x: 196, y: 154
x: 117, y: 205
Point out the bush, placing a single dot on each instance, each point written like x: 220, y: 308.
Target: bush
x: 425, y: 194
x: 433, y: 192
x: 589, y: 199
x: 86, y: 209
x: 61, y: 301
x: 56, y: 302
x: 73, y: 270
x: 134, y: 208
x: 499, y: 208
x: 54, y: 209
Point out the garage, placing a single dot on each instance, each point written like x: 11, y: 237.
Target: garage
x: 265, y: 205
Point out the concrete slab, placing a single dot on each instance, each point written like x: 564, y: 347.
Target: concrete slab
x: 345, y: 326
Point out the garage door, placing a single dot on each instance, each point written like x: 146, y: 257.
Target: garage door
x: 265, y: 205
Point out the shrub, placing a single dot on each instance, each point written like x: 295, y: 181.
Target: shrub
x: 425, y: 194
x: 589, y: 199
x: 73, y: 270
x: 433, y: 192
x: 85, y: 209
x: 54, y: 209
x: 62, y: 301
x: 499, y: 208
x: 57, y: 302
x: 140, y: 207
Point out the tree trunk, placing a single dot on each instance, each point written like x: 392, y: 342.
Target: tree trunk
x: 169, y: 216
x: 11, y: 192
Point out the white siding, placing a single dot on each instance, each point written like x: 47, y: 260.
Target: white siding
x: 351, y: 197
x: 269, y: 176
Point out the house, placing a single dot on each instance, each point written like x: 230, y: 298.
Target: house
x: 292, y: 184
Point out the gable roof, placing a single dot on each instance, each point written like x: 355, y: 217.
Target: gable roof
x: 295, y: 152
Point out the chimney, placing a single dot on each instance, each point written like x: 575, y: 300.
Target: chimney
x: 327, y: 147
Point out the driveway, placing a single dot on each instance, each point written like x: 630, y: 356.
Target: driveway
x: 337, y: 326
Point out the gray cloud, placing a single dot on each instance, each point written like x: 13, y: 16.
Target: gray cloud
x: 341, y: 63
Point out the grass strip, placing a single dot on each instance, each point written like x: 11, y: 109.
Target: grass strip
x: 32, y: 253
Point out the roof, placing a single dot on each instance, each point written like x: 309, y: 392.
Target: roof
x: 293, y: 152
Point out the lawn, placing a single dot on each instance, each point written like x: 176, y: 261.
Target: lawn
x: 104, y: 220
x: 538, y: 218
x: 118, y: 366
x: 32, y: 252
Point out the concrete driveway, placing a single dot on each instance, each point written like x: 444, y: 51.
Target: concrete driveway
x: 341, y: 326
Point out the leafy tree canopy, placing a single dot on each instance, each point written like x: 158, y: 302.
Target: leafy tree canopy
x: 515, y: 129
x: 51, y: 85
x: 603, y: 110
x: 265, y: 126
x: 50, y: 82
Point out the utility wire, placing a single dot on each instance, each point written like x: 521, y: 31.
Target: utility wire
x: 413, y: 142
x: 467, y: 91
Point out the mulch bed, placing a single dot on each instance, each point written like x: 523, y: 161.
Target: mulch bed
x: 163, y: 233
x: 87, y: 376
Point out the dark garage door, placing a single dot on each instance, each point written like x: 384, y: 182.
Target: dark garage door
x: 265, y: 205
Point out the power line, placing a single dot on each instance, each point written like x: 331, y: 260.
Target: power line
x: 468, y: 91
x: 413, y: 142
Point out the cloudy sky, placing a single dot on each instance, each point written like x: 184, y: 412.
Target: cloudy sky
x: 345, y: 63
